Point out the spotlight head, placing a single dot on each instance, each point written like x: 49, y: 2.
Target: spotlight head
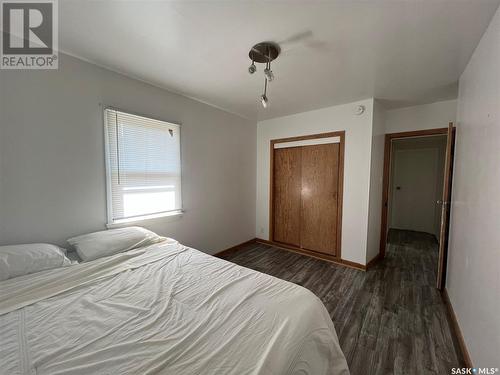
x: 269, y: 74
x: 252, y: 68
x: 264, y: 100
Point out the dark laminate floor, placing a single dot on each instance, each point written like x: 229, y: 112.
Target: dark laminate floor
x: 390, y: 319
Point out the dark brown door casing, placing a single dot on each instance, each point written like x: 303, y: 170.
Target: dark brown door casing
x: 445, y: 208
x: 445, y: 215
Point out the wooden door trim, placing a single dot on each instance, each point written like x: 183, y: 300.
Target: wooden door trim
x: 386, y: 174
x: 341, y: 135
x: 444, y: 229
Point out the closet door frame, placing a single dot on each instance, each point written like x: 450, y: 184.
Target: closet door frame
x: 341, y: 135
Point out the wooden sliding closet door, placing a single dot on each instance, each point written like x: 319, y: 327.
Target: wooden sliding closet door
x: 287, y: 200
x: 306, y: 193
x: 320, y: 183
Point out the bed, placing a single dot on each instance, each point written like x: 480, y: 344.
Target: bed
x: 166, y: 309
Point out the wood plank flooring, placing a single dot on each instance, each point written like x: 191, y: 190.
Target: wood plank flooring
x: 390, y: 319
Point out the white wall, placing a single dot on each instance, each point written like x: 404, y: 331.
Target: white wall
x: 358, y: 140
x: 52, y: 176
x: 420, y: 117
x: 473, y: 280
x: 376, y: 181
x: 417, y: 168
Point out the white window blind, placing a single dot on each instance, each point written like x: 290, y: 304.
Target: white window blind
x: 143, y: 166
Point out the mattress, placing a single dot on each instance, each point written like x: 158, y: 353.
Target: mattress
x: 163, y: 309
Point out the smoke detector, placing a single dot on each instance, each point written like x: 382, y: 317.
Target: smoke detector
x: 360, y: 109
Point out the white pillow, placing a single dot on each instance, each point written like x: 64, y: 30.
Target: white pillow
x: 18, y: 260
x: 108, y: 242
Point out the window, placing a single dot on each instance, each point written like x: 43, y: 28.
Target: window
x: 143, y: 167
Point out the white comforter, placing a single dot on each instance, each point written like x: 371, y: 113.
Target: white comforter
x: 163, y: 309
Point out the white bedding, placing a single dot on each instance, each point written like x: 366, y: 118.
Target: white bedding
x: 163, y: 309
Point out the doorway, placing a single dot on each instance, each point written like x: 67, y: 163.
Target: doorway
x: 416, y: 184
x: 416, y: 193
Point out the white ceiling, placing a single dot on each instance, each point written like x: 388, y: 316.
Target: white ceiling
x: 405, y: 52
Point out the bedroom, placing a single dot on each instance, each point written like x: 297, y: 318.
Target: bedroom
x: 198, y: 159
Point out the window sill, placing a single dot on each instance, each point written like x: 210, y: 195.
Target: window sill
x: 135, y: 220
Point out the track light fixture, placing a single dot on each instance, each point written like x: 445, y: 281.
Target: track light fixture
x: 263, y: 98
x: 268, y: 72
x: 264, y: 53
x: 252, y: 68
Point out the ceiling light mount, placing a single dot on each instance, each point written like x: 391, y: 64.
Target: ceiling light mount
x: 264, y: 53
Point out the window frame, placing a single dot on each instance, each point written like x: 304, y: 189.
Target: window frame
x: 110, y: 223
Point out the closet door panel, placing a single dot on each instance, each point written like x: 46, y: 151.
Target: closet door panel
x: 320, y: 183
x: 287, y: 188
